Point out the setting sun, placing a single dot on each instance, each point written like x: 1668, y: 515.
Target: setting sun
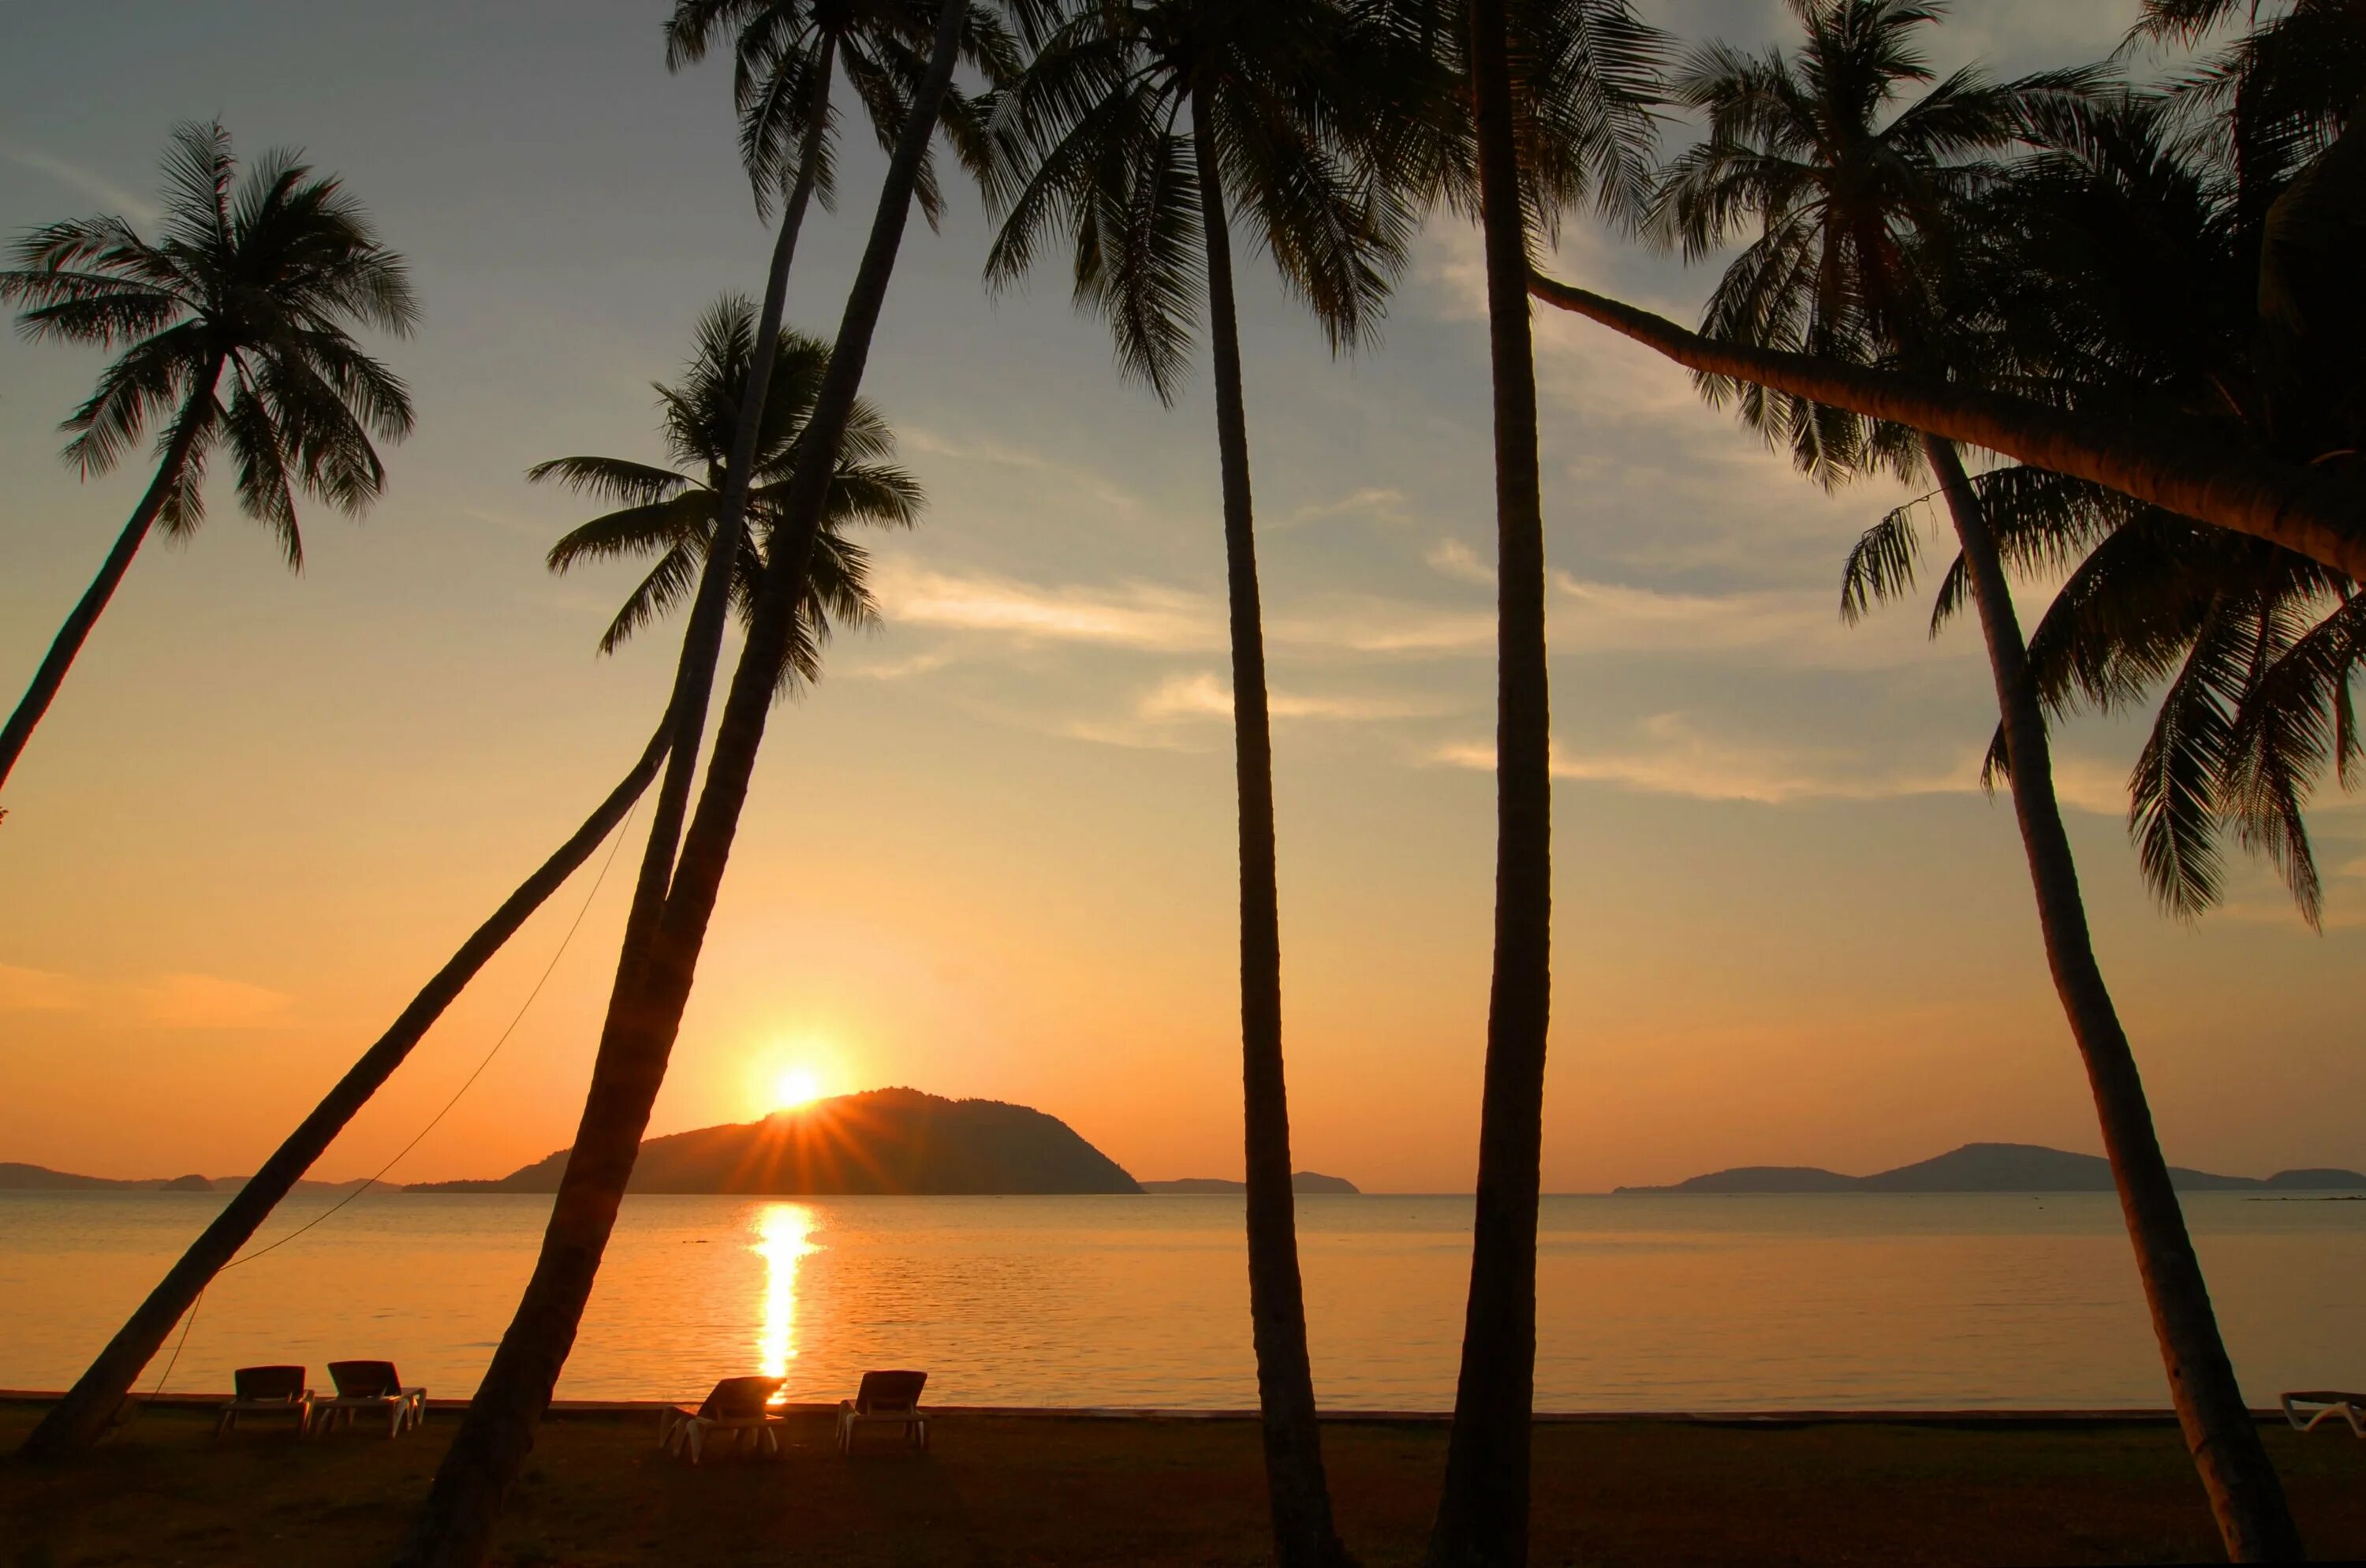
x: 795, y: 1086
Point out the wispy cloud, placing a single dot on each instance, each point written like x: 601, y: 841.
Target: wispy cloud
x: 1452, y: 558
x: 1135, y: 615
x: 129, y: 204
x: 40, y: 990
x: 1007, y: 455
x: 1204, y: 695
x: 210, y: 1001
x: 1372, y: 501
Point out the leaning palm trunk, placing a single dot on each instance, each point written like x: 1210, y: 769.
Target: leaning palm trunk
x: 455, y: 1528
x: 1482, y: 1516
x: 1304, y: 1533
x: 83, y: 1415
x: 2308, y: 510
x: 71, y: 635
x: 2245, y: 1493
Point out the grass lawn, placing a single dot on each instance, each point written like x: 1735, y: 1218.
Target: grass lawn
x: 1049, y: 1489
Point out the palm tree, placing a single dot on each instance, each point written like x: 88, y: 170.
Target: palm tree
x: 1145, y: 129
x: 2287, y: 93
x: 257, y: 281
x: 670, y: 515
x: 1855, y: 202
x: 1529, y: 108
x: 2123, y: 256
x: 455, y: 1526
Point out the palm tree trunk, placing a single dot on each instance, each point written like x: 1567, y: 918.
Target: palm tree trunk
x: 2312, y: 511
x: 2245, y: 1493
x: 1304, y: 1533
x: 79, y: 1419
x: 71, y: 636
x: 1482, y: 1515
x: 455, y: 1528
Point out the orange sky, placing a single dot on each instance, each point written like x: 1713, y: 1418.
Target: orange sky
x: 992, y: 854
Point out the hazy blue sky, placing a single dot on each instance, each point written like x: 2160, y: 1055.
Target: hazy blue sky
x: 992, y: 854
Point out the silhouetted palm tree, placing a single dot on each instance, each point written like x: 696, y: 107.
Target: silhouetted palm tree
x: 670, y: 515
x: 655, y: 975
x: 1142, y: 131
x: 2124, y: 257
x: 1529, y: 108
x: 257, y: 281
x: 1856, y: 201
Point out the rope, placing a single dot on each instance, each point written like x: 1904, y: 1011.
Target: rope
x: 549, y: 969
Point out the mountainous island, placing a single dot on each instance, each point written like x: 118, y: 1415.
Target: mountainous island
x: 1300, y: 1182
x: 896, y: 1140
x: 1999, y: 1167
x: 19, y: 1177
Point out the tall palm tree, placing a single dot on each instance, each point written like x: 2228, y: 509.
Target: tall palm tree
x: 455, y: 1526
x: 1145, y: 129
x: 670, y: 515
x: 1855, y: 200
x: 254, y: 282
x: 2286, y: 96
x: 1529, y: 110
x: 2124, y: 257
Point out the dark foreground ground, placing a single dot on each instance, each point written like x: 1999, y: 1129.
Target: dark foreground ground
x: 1050, y: 1489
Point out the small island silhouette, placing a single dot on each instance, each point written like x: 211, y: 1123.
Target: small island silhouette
x: 1996, y: 1168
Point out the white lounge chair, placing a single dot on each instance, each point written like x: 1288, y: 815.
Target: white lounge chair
x: 266, y: 1391
x: 2311, y: 1407
x: 737, y: 1406
x: 374, y: 1386
x: 884, y: 1399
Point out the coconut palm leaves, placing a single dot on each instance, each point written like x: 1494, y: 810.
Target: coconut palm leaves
x: 235, y: 326
x: 784, y: 54
x: 670, y: 515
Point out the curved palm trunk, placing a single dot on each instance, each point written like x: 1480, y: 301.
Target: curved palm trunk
x: 2245, y: 1493
x: 1304, y: 1533
x: 455, y: 1528
x: 83, y: 1415
x: 2308, y: 510
x: 86, y: 611
x: 1482, y: 1516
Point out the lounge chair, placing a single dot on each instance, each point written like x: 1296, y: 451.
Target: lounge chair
x: 266, y: 1391
x: 2310, y: 1408
x: 374, y: 1386
x: 884, y: 1399
x: 738, y: 1406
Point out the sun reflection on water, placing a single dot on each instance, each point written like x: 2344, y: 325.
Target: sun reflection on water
x: 783, y: 1237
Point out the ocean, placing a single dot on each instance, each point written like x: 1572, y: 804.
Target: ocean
x: 1645, y: 1302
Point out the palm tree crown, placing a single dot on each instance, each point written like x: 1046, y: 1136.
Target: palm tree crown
x: 260, y: 278
x: 785, y: 55
x: 1096, y: 140
x: 670, y: 515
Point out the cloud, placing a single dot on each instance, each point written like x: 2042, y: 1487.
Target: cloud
x: 1207, y: 695
x: 129, y: 204
x: 208, y: 1001
x: 40, y: 990
x: 1372, y: 500
x: 1135, y: 615
x: 1003, y: 453
x: 1672, y: 756
x: 1452, y: 558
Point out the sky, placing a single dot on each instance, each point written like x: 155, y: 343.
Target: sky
x: 992, y: 852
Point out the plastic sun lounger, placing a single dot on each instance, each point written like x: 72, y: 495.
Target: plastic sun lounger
x: 884, y: 1399
x: 266, y: 1391
x: 2311, y: 1407
x: 374, y: 1386
x: 737, y: 1406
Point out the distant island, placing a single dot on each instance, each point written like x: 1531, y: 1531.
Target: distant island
x: 19, y: 1177
x: 1999, y: 1167
x: 885, y: 1141
x: 1303, y: 1181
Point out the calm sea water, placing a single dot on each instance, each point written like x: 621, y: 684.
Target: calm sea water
x: 1645, y: 1302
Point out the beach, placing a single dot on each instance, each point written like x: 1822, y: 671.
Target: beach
x: 1067, y: 1488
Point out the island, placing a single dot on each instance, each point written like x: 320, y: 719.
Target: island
x: 1301, y: 1182
x: 884, y: 1141
x: 1999, y: 1167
